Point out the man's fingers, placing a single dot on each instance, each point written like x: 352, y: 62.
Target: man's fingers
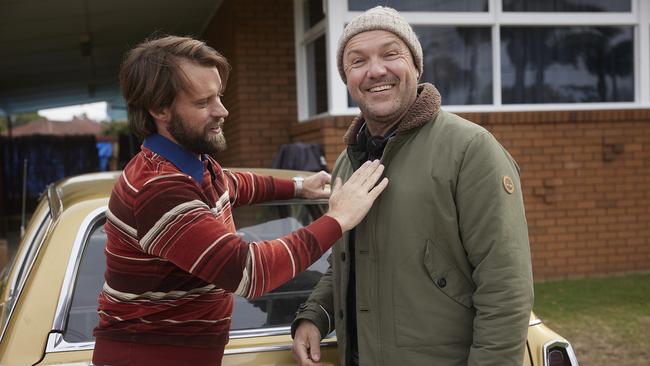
x: 376, y: 191
x: 307, y: 355
x: 361, y: 174
x: 373, y: 178
x: 302, y: 353
x: 306, y: 344
x: 314, y: 349
x: 324, y: 177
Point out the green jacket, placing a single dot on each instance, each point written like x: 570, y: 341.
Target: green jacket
x: 443, y: 270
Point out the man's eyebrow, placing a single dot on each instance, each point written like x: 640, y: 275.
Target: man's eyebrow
x: 201, y: 97
x: 352, y: 52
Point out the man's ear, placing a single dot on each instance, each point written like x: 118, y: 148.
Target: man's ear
x: 161, y: 115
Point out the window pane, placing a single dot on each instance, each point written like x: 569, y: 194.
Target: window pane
x: 312, y: 12
x: 83, y: 316
x: 421, y: 5
x: 266, y: 222
x: 351, y: 103
x: 317, y: 76
x: 567, y: 64
x: 567, y: 5
x: 458, y: 61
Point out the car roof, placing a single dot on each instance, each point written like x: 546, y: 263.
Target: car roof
x: 68, y: 191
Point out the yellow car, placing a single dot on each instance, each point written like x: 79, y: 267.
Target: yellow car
x: 48, y: 298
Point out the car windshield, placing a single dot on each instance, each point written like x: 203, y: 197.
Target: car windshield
x: 254, y: 223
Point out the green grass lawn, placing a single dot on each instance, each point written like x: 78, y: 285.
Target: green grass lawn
x: 606, y: 319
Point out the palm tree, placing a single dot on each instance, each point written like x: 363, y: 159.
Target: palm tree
x: 605, y: 51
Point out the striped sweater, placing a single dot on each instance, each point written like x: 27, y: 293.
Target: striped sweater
x: 173, y: 257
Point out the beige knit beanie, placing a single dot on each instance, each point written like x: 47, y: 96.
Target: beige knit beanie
x: 386, y: 19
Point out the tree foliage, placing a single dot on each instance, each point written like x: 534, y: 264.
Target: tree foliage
x: 115, y: 128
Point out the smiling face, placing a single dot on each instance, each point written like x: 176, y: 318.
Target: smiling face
x: 381, y: 77
x: 196, y: 117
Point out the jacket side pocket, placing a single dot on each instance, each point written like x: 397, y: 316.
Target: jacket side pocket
x: 446, y: 275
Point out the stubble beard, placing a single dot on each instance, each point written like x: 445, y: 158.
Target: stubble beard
x: 397, y: 109
x: 203, y: 142
x: 380, y: 122
x: 370, y: 113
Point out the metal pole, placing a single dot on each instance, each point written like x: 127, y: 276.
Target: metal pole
x: 24, y: 211
x: 9, y: 125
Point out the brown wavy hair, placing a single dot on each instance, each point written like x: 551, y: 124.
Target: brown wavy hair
x: 150, y: 76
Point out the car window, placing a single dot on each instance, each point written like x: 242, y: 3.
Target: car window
x: 83, y: 317
x: 258, y: 222
x: 266, y: 222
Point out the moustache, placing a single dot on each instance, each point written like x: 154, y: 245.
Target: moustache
x: 216, y: 124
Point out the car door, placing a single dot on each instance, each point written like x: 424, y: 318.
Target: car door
x: 260, y: 332
x: 260, y: 328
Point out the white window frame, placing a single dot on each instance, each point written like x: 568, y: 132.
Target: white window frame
x: 302, y: 40
x: 337, y: 15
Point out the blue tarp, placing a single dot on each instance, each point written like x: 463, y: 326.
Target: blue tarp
x: 104, y: 152
x: 49, y: 158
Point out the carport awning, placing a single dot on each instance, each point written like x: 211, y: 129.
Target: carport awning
x: 62, y: 52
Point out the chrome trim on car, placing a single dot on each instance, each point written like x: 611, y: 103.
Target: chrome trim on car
x: 259, y: 332
x: 54, y: 200
x: 563, y: 344
x: 56, y: 343
x: 24, y: 264
x: 67, y: 287
x: 237, y: 351
x: 534, y: 322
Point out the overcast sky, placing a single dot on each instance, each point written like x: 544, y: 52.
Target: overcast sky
x: 94, y: 111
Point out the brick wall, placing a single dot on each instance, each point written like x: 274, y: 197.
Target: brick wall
x: 586, y: 179
x: 257, y: 38
x: 327, y: 131
x: 586, y: 174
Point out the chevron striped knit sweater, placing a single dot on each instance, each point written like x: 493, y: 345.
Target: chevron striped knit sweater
x: 173, y: 258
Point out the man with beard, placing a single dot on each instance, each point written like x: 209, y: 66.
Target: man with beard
x: 439, y: 271
x: 173, y: 258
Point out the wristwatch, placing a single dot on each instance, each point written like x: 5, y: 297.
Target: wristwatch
x: 297, y: 182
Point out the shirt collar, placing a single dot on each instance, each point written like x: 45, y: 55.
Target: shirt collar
x: 181, y: 158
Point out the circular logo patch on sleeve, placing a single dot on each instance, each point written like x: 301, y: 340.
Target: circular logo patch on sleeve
x: 508, y: 184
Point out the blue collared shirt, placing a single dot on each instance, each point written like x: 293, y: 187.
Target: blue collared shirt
x: 184, y: 160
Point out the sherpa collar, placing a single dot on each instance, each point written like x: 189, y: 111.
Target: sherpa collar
x: 426, y: 106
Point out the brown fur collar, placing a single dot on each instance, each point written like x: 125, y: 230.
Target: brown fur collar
x: 426, y: 107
